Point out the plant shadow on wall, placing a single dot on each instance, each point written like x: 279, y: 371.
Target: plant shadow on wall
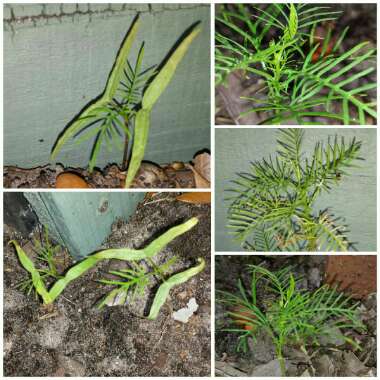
x: 125, y: 105
x: 272, y: 207
x: 297, y: 65
x: 284, y: 322
x: 142, y: 300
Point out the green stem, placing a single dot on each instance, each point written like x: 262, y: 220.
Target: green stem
x: 281, y: 360
x: 124, y: 163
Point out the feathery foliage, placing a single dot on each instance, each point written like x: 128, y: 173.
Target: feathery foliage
x: 291, y: 316
x: 126, y: 102
x: 305, y: 75
x: 134, y: 279
x: 271, y: 207
x: 46, y: 253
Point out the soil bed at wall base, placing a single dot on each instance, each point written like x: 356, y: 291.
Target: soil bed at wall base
x: 176, y: 174
x: 78, y: 339
x: 150, y: 175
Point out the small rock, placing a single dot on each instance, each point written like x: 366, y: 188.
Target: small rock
x: 294, y: 355
x: 372, y: 372
x: 314, y: 276
x: 224, y: 369
x: 305, y: 373
x: 368, y: 354
x: 371, y: 324
x: 183, y: 315
x: 272, y: 369
x: 368, y: 317
x: 371, y: 302
x: 324, y: 366
x: 263, y: 350
x: 352, y: 366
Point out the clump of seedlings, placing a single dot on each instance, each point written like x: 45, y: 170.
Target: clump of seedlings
x: 305, y: 71
x: 126, y: 102
x: 273, y: 205
x: 290, y: 316
x: 46, y: 256
x: 134, y: 279
x: 136, y: 276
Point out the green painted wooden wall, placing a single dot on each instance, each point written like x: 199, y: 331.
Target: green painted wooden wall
x: 81, y: 221
x: 57, y: 58
x: 354, y: 199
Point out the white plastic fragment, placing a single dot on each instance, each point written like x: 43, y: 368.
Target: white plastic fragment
x: 183, y: 315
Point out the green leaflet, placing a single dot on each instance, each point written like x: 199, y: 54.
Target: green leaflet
x: 142, y: 124
x: 291, y: 30
x: 108, y: 94
x: 36, y: 278
x: 118, y: 68
x: 163, y: 78
x: 164, y: 289
x: 151, y: 95
x: 119, y: 254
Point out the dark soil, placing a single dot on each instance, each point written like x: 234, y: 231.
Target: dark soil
x: 77, y: 339
x: 331, y: 358
x: 361, y: 20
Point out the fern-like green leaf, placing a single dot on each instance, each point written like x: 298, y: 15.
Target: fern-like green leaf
x: 305, y: 78
x: 91, y: 111
x: 272, y: 207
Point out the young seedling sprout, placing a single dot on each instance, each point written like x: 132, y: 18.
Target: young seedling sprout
x: 46, y: 258
x: 304, y: 78
x: 272, y: 208
x: 293, y: 317
x: 125, y: 254
x: 127, y: 101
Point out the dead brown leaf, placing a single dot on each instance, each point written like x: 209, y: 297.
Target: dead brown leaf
x: 195, y: 197
x: 202, y: 164
x: 201, y: 170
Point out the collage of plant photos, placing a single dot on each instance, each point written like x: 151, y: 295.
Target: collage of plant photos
x: 190, y: 189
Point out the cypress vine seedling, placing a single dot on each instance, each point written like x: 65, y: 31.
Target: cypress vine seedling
x: 134, y: 279
x: 127, y: 101
x: 288, y: 315
x: 46, y: 259
x: 126, y: 254
x: 305, y: 75
x: 272, y: 208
